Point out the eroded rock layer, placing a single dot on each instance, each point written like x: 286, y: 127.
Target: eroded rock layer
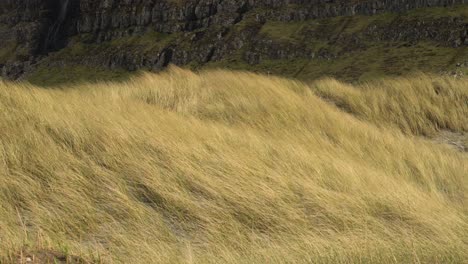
x: 150, y: 34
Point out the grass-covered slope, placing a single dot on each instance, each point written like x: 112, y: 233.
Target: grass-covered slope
x: 226, y: 167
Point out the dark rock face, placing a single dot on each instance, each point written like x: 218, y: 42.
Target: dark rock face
x: 108, y: 18
x: 24, y: 22
x: 111, y: 19
x: 38, y: 27
x: 454, y: 35
x: 36, y: 23
x: 35, y: 27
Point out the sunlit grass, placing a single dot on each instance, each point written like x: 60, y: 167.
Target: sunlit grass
x: 225, y: 167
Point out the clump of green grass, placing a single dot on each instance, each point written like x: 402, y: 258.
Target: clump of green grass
x: 226, y: 167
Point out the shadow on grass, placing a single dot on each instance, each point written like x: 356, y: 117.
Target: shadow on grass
x: 60, y: 77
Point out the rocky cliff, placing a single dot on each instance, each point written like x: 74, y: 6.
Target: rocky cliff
x: 252, y: 34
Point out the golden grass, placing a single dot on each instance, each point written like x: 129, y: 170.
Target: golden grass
x: 226, y: 167
x: 420, y: 104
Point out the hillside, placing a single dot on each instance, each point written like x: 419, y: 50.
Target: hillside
x: 233, y: 167
x: 349, y: 40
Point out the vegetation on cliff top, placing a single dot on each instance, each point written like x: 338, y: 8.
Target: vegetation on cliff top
x: 226, y: 167
x: 335, y: 54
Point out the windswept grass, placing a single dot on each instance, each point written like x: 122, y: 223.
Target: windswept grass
x: 225, y: 167
x: 420, y: 105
